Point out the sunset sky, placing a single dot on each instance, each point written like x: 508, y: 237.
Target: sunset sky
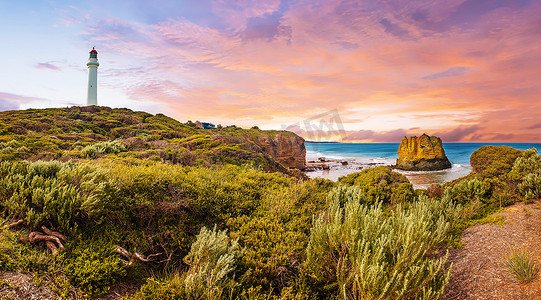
x: 465, y: 70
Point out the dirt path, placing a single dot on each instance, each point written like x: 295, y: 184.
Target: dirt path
x: 477, y: 268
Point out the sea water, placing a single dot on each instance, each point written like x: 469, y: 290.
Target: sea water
x: 362, y: 155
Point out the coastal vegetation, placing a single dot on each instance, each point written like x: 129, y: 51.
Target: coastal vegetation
x: 92, y: 197
x: 521, y: 265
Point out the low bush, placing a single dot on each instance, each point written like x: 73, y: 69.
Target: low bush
x: 381, y: 184
x: 470, y: 190
x: 59, y: 194
x: 493, y: 161
x: 211, y: 260
x: 93, y: 267
x: 365, y: 252
x: 527, y: 171
x: 113, y: 147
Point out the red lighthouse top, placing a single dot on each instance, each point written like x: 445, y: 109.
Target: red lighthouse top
x: 93, y: 53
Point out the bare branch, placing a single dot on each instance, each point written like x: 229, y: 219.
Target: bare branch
x: 36, y: 236
x: 16, y: 223
x: 51, y: 247
x: 134, y: 256
x: 54, y: 233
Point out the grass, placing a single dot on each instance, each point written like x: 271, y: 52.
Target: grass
x: 521, y: 265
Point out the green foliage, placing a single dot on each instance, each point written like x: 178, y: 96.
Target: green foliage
x: 493, y: 161
x: 276, y: 236
x: 83, y: 132
x: 527, y: 170
x: 530, y: 187
x: 52, y: 192
x: 212, y: 259
x: 13, y: 150
x: 364, y: 252
x: 15, y: 255
x: 113, y: 147
x: 381, y: 184
x: 470, y: 190
x: 528, y: 163
x: 94, y: 267
x: 521, y: 265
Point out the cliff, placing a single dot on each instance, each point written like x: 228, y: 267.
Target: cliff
x: 424, y: 153
x: 286, y: 148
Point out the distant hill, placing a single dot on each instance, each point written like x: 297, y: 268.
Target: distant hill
x: 90, y: 132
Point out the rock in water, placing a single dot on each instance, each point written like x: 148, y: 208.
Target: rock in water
x: 424, y: 153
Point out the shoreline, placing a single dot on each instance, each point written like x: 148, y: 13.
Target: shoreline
x: 333, y: 169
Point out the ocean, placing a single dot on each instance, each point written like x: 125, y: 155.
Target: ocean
x: 363, y: 155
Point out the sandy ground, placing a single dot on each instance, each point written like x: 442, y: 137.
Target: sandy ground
x: 478, y: 271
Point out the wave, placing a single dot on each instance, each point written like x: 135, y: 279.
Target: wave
x: 314, y: 156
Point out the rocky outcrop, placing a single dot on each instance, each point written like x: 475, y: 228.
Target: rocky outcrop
x: 286, y: 148
x: 424, y: 153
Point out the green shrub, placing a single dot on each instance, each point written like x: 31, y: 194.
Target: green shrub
x: 94, y: 267
x: 276, y: 235
x: 113, y: 147
x: 527, y: 170
x: 60, y: 194
x: 381, y: 184
x: 212, y: 259
x: 493, y: 161
x: 530, y: 187
x: 358, y: 252
x: 520, y: 264
x: 528, y: 163
x: 470, y: 190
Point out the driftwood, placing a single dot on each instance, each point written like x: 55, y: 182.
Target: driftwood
x: 52, y: 239
x: 132, y: 257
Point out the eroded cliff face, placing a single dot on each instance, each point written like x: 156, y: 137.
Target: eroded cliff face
x: 286, y: 148
x: 424, y: 153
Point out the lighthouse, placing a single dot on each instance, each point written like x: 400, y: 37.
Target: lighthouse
x: 93, y: 64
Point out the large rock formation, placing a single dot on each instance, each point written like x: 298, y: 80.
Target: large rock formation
x: 424, y: 153
x: 286, y: 148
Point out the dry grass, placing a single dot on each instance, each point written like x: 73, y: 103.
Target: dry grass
x: 520, y: 264
x: 478, y: 272
x: 21, y: 286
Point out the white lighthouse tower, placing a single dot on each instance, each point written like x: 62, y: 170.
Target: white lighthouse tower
x: 93, y: 64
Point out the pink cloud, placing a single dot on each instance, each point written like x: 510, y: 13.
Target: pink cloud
x: 47, y: 65
x: 450, y: 62
x: 10, y: 101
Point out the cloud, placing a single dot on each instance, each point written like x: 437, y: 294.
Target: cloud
x: 47, y: 65
x: 393, y: 136
x: 393, y: 28
x: 450, y: 72
x: 408, y: 64
x: 534, y: 126
x: 8, y: 105
x: 10, y: 101
x: 461, y: 133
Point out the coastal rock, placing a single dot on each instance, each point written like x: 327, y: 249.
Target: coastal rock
x: 424, y: 153
x: 285, y: 147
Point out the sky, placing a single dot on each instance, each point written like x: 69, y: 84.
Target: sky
x: 352, y: 71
